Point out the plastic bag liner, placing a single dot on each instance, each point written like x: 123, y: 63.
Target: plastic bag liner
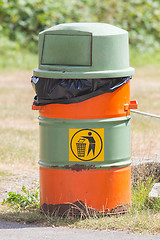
x: 66, y: 91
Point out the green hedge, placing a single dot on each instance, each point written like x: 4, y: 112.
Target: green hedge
x: 22, y: 20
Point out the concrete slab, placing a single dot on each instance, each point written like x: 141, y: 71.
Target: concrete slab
x: 155, y: 192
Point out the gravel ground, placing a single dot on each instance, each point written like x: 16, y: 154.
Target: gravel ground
x: 15, y: 181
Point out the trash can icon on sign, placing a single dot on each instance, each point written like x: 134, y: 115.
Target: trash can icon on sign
x: 81, y: 147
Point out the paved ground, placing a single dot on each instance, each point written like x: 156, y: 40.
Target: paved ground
x: 15, y: 231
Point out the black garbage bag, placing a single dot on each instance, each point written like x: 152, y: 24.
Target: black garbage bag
x: 66, y: 91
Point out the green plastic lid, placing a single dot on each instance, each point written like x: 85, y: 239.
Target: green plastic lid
x: 83, y: 50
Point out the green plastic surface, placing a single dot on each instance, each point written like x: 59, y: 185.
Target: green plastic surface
x: 83, y: 50
x: 55, y: 143
x: 66, y: 54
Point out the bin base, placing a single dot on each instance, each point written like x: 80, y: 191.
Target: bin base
x: 80, y: 209
x: 85, y: 192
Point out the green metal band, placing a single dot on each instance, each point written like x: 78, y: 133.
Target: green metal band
x: 56, y: 136
x: 75, y: 167
x: 82, y: 121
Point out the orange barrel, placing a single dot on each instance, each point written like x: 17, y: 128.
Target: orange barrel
x: 82, y: 90
x: 103, y: 190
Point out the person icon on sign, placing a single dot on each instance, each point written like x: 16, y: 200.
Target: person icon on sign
x: 91, y: 143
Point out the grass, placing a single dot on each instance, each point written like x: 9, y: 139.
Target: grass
x: 21, y: 59
x: 16, y: 109
x: 4, y: 175
x: 144, y: 222
x: 144, y: 216
x: 19, y: 142
x: 145, y: 89
x: 18, y: 123
x: 16, y: 58
x: 140, y: 222
x: 14, y: 147
x: 144, y: 59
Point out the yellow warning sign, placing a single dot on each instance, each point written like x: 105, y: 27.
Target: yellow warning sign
x: 86, y: 144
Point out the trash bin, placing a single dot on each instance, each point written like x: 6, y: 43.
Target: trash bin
x: 82, y: 90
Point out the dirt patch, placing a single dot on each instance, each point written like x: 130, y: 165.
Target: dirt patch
x: 78, y: 208
x: 144, y: 171
x: 14, y: 177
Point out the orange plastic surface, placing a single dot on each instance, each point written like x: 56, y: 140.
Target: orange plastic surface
x: 100, y: 189
x: 132, y: 105
x: 34, y: 107
x: 107, y: 105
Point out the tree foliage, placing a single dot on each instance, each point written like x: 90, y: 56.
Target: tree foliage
x: 22, y: 20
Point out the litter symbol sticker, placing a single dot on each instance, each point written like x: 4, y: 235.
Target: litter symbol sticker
x: 86, y: 144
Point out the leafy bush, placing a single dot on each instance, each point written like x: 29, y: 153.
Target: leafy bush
x: 22, y: 20
x: 139, y: 17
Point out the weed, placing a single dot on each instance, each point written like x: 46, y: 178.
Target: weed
x: 19, y: 137
x: 143, y: 217
x: 140, y: 197
x: 26, y: 201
